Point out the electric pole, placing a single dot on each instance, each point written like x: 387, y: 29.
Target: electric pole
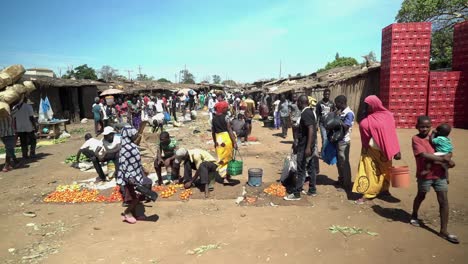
x: 280, y: 71
x: 139, y: 69
x: 129, y: 71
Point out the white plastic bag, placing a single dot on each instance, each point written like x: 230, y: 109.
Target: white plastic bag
x: 293, y: 162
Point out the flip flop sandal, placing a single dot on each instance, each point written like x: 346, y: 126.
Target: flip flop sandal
x: 415, y: 222
x: 450, y: 238
x: 360, y: 201
x: 130, y: 220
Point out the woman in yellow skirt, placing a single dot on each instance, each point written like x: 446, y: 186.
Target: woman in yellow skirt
x: 379, y: 146
x: 223, y: 138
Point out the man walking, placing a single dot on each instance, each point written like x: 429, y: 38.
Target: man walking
x: 284, y: 115
x: 26, y: 128
x: 324, y: 107
x: 343, y: 146
x: 306, y: 140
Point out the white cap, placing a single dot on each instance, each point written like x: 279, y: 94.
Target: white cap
x: 108, y: 130
x: 180, y: 154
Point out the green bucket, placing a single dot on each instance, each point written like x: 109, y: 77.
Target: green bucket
x: 235, y: 166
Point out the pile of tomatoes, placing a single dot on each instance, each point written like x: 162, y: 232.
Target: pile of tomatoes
x: 185, y: 195
x: 276, y: 189
x: 74, y: 195
x: 170, y: 190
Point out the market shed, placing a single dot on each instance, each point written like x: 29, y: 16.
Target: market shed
x: 69, y: 99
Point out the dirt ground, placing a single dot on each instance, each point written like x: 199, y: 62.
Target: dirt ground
x: 268, y: 231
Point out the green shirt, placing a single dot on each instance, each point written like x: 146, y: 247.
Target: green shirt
x: 442, y: 144
x: 169, y: 149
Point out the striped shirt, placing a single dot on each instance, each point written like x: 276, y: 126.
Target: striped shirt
x: 6, y: 127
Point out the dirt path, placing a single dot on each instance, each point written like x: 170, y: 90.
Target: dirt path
x: 296, y: 232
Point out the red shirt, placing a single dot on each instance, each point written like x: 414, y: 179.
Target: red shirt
x: 422, y: 145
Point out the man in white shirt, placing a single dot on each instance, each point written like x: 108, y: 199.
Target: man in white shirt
x: 23, y: 116
x: 99, y: 151
x: 211, y: 104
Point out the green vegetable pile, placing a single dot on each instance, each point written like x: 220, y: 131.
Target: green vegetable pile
x: 349, y: 231
x: 59, y: 140
x: 72, y: 158
x: 3, y: 150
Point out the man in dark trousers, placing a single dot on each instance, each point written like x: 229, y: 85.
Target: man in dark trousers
x: 306, y: 140
x: 324, y: 107
x: 26, y: 128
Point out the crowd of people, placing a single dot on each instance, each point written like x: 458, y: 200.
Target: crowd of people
x: 231, y: 124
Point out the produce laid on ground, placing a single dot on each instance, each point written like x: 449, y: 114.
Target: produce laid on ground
x: 75, y: 193
x: 170, y: 190
x: 17, y: 150
x: 276, y: 189
x: 185, y: 195
x: 72, y: 158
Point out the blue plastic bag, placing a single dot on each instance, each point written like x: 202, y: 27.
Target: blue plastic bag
x: 329, y: 153
x: 167, y: 117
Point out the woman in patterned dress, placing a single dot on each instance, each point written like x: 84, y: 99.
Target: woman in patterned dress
x: 130, y: 173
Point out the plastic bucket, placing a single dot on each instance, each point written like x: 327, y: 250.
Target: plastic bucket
x: 400, y: 176
x: 255, y: 177
x: 235, y: 167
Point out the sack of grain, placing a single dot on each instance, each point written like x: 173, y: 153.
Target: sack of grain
x: 9, y: 96
x: 15, y: 72
x: 19, y: 88
x: 5, y: 80
x: 30, y: 87
x: 4, y: 109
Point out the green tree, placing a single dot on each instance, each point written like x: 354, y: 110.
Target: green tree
x: 187, y: 77
x: 144, y: 77
x: 337, y: 56
x: 85, y: 72
x: 298, y: 74
x: 120, y: 78
x: 371, y: 57
x: 216, y: 79
x: 229, y: 83
x: 163, y: 80
x: 443, y: 14
x: 340, y: 62
x: 69, y: 74
x: 108, y: 73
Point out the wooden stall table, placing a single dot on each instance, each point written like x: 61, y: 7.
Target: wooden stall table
x: 54, y: 127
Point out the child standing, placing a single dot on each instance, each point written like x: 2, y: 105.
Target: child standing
x: 424, y: 153
x: 442, y: 145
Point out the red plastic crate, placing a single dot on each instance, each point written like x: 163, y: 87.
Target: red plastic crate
x: 460, y: 47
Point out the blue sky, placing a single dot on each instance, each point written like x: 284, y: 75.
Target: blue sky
x: 241, y: 40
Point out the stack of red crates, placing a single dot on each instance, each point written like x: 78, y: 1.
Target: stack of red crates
x: 442, y: 100
x: 460, y: 63
x: 404, y: 70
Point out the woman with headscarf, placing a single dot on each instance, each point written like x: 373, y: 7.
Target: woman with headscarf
x: 379, y: 146
x: 223, y: 138
x: 130, y: 173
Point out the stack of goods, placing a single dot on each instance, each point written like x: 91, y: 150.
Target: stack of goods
x: 443, y: 101
x: 10, y: 91
x: 460, y: 63
x: 404, y: 70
